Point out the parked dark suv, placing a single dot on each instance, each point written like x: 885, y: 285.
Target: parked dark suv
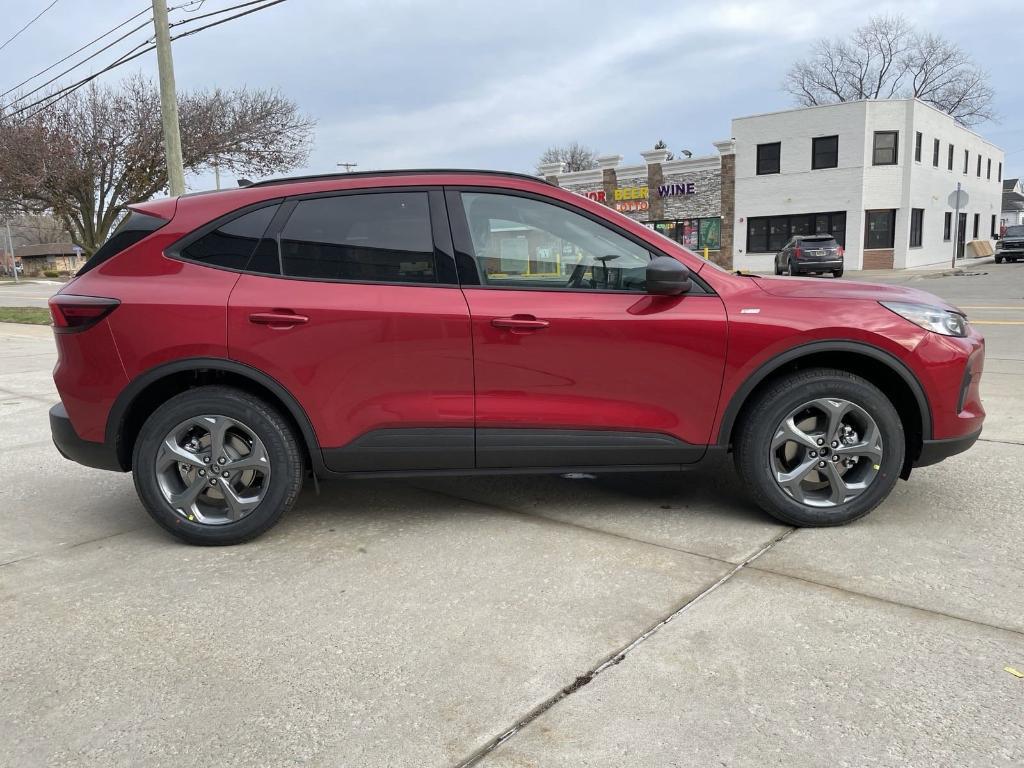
x: 223, y: 346
x: 810, y: 255
x: 1010, y: 247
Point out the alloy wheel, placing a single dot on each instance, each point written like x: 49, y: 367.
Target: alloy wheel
x: 212, y: 469
x: 826, y: 452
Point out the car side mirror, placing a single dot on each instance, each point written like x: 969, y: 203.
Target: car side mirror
x: 667, y: 277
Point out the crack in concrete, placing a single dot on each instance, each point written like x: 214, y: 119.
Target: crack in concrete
x: 613, y: 660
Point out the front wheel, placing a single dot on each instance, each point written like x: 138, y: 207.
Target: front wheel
x: 837, y: 273
x: 215, y: 465
x: 819, y: 447
x: 999, y: 259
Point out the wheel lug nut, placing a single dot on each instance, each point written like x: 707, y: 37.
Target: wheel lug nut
x: 835, y: 458
x: 202, y: 472
x: 814, y: 454
x: 821, y: 463
x: 821, y: 441
x: 220, y: 460
x: 213, y: 481
x: 835, y: 444
x: 206, y: 460
x: 224, y: 475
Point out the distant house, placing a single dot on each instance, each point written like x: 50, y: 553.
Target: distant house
x: 44, y: 257
x: 1013, y: 202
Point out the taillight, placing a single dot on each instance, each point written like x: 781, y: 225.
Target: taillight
x: 841, y: 252
x: 76, y: 313
x: 797, y: 253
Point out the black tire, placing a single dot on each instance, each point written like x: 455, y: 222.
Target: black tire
x: 764, y: 414
x: 788, y: 270
x: 837, y: 273
x: 778, y: 269
x: 282, y: 448
x: 999, y: 259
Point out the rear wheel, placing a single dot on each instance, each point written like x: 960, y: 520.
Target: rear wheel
x: 778, y: 269
x: 999, y: 259
x: 820, y: 447
x: 837, y: 273
x: 215, y: 465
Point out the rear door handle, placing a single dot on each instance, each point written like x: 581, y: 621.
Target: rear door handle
x: 281, y: 319
x: 520, y: 323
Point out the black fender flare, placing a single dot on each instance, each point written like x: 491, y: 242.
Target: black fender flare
x: 892, y: 362
x: 124, y: 401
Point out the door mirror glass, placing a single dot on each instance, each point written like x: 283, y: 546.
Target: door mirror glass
x: 667, y: 277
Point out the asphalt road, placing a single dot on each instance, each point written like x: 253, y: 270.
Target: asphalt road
x: 628, y: 620
x: 27, y: 293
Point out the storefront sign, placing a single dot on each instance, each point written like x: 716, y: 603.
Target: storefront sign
x: 676, y: 190
x: 597, y: 196
x: 631, y: 193
x: 631, y: 206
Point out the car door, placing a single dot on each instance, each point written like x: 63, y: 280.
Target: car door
x: 785, y: 254
x: 349, y: 305
x: 575, y: 365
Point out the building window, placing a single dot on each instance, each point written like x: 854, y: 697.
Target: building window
x: 879, y: 229
x: 885, y: 146
x: 768, y: 158
x: 967, y: 159
x: 947, y: 226
x: 935, y: 152
x: 825, y: 152
x: 695, y: 234
x: 994, y: 231
x: 999, y: 178
x: 916, y: 226
x: 918, y: 141
x: 988, y: 168
x: 767, y: 234
x: 979, y: 165
x: 951, y: 157
x: 977, y: 225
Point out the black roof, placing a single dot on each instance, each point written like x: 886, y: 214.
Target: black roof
x: 393, y: 172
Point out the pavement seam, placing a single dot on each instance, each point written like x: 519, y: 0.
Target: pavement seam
x: 888, y: 601
x: 611, y: 661
x: 577, y: 526
x: 58, y: 550
x: 1000, y: 442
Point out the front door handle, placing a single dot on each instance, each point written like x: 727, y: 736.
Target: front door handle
x: 279, y: 319
x: 520, y: 323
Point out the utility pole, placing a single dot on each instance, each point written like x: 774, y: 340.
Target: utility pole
x: 168, y: 100
x: 10, y: 248
x: 348, y: 166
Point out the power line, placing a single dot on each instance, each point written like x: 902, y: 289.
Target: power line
x: 75, y: 52
x: 212, y: 13
x: 134, y: 53
x: 38, y: 15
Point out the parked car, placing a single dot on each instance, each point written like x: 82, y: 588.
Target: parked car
x: 1010, y: 247
x: 223, y: 346
x: 810, y: 255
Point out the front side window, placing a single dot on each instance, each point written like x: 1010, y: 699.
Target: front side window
x: 768, y: 158
x: 524, y: 243
x: 885, y: 148
x: 231, y: 244
x: 916, y: 227
x: 880, y: 229
x: 378, y: 237
x: 825, y: 152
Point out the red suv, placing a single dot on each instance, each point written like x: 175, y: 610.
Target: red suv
x: 222, y: 345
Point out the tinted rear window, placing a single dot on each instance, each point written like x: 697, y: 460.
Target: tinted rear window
x: 379, y: 237
x: 232, y: 243
x: 819, y: 242
x: 133, y: 228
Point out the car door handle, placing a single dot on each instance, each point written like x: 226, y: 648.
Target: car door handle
x: 280, y: 319
x: 520, y: 323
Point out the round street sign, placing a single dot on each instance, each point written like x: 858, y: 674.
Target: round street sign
x: 954, y: 202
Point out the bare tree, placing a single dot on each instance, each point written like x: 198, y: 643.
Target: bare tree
x: 574, y: 156
x: 32, y: 229
x: 83, y: 159
x: 662, y: 145
x: 888, y: 58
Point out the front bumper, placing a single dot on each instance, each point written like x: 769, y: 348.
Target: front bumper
x: 934, y: 451
x: 71, y: 446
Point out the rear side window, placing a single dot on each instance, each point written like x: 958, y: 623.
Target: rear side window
x: 378, y: 237
x: 232, y: 243
x: 133, y: 228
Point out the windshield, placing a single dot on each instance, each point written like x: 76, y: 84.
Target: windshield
x: 1015, y: 231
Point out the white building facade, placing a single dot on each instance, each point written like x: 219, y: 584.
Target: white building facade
x: 877, y: 174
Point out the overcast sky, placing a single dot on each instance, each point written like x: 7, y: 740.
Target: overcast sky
x: 492, y: 84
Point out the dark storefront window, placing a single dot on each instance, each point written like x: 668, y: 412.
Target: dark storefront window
x: 880, y: 229
x: 695, y: 234
x: 768, y: 158
x: 768, y: 234
x: 916, y: 227
x: 825, y: 152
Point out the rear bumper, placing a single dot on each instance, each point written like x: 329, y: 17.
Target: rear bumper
x: 816, y: 266
x: 934, y: 451
x: 71, y: 446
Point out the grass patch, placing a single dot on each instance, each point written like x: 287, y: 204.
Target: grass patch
x: 30, y: 315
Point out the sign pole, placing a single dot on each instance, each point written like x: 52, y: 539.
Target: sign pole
x: 10, y: 247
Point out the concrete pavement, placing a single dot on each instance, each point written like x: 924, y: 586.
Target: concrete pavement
x: 420, y: 623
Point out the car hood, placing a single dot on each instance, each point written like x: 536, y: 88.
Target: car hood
x: 814, y: 288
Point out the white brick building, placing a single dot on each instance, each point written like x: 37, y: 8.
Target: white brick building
x: 878, y: 174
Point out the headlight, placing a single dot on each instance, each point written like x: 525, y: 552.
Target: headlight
x: 934, y: 319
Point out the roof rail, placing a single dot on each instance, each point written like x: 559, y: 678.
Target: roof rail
x: 393, y: 172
